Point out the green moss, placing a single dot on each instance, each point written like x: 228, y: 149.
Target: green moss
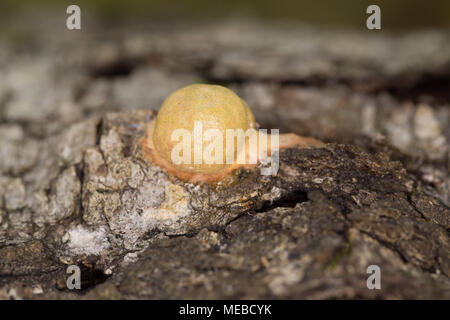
x: 346, y: 250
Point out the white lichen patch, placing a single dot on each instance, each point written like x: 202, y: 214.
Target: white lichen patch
x: 81, y: 240
x: 111, y: 145
x: 288, y: 276
x: 14, y: 193
x: 398, y: 127
x: 428, y: 132
x: 418, y: 130
x: 75, y: 140
x: 174, y: 207
x: 160, y: 207
x: 64, y: 202
x: 274, y: 194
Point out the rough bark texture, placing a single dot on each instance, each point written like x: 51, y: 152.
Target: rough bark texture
x: 76, y: 189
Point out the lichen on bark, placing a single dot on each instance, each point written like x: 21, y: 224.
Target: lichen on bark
x: 75, y: 187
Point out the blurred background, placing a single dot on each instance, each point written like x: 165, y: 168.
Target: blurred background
x: 344, y: 13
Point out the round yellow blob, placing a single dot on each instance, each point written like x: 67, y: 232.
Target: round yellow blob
x: 211, y: 106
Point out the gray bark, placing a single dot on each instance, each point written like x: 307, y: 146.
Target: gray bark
x: 76, y: 189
